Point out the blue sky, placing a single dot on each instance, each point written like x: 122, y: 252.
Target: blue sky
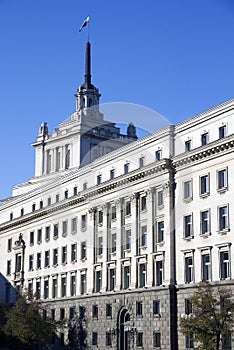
x: 173, y: 56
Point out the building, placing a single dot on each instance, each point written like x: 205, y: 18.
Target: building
x: 120, y: 230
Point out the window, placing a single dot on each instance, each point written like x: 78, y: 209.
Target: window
x: 72, y: 312
x: 113, y: 212
x: 66, y: 194
x: 160, y: 198
x: 188, y: 189
x: 100, y: 245
x: 111, y: 278
x: 128, y: 208
x: 62, y: 313
x: 188, y: 226
x: 73, y: 252
x: 159, y: 272
x: 126, y: 168
x: 38, y: 260
x: 64, y: 255
x: 83, y: 221
x: 108, y: 310
x: 83, y: 250
x: 188, y: 145
x: 46, y: 289
x: 41, y: 204
x: 187, y: 306
x: 112, y: 174
x: 204, y: 139
x: 139, y: 308
x: 56, y: 227
x: 95, y: 311
x: 63, y: 286
x: 100, y: 217
x: 83, y: 283
x: 224, y: 265
x: 11, y: 216
x: 206, y: 271
x: 227, y: 341
x: 157, y: 340
x: 204, y: 184
x: 98, y: 280
x: 126, y: 277
x: 160, y: 231
x: 222, y: 179
x: 113, y: 243
x: 142, y: 275
x: 223, y: 218
x: 67, y: 156
x: 158, y: 155
x: 31, y: 238
x: 57, y: 198
x: 82, y: 311
x: 54, y: 288
x: 9, y: 245
x: 8, y: 267
x: 73, y: 285
x: 22, y: 212
x: 222, y: 131
x: 33, y: 207
x: 128, y: 239
x: 47, y: 258
x: 18, y: 262
x: 156, y: 307
x: 47, y: 233
x: 188, y: 269
x: 95, y: 339
x: 64, y: 228
x: 74, y: 225
x: 139, y: 339
x: 189, y: 342
x: 143, y: 203
x: 108, y: 339
x: 99, y: 179
x: 53, y: 314
x: 55, y: 256
x: 30, y: 262
x: 39, y: 235
x: 75, y: 190
x: 38, y: 289
x: 205, y: 222
x: 49, y: 201
x: 141, y: 162
x: 144, y: 236
x: 85, y: 186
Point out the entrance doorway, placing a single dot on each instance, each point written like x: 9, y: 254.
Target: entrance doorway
x: 124, y: 338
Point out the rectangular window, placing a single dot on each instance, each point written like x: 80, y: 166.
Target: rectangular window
x: 33, y: 207
x: 157, y: 340
x: 99, y: 179
x: 62, y: 313
x: 53, y: 314
x: 38, y: 260
x: 113, y: 212
x: 94, y: 338
x: 205, y: 222
x: 74, y: 225
x: 160, y: 198
x: 100, y: 245
x: 41, y: 204
x: 55, y: 256
x: 82, y: 311
x: 126, y: 277
x: 204, y: 184
x: 113, y: 243
x: 83, y: 283
x: 83, y: 221
x: 111, y: 281
x: 9, y: 245
x: 54, y: 288
x: 141, y: 162
x: 189, y: 342
x: 126, y: 168
x: 11, y: 216
x: 72, y: 312
x: 139, y: 308
x: 30, y: 265
x: 144, y: 236
x: 223, y: 218
x: 100, y: 217
x: 108, y: 339
x: 204, y: 139
x: 56, y: 228
x: 139, y: 339
x: 64, y: 228
x: 160, y: 231
x: 143, y: 203
x: 158, y: 155
x: 156, y: 307
x: 39, y: 235
x: 188, y: 269
x: 31, y: 238
x: 222, y: 131
x: 128, y: 239
x: 73, y: 252
x: 47, y: 258
x: 188, y: 226
x: 142, y: 275
x: 83, y: 250
x: 188, y: 145
x: 8, y: 267
x: 75, y: 190
x: 95, y: 311
x: 112, y: 174
x: 222, y: 179
x: 188, y: 189
x: 224, y: 265
x: 47, y: 233
x: 46, y: 289
x: 128, y: 208
x: 64, y: 255
x: 66, y: 194
x: 73, y: 285
x: 49, y: 201
x: 187, y: 306
x: 206, y: 271
x: 63, y: 286
x: 108, y: 310
x: 98, y: 281
x: 85, y: 186
x: 38, y: 289
x: 57, y: 198
x: 159, y: 272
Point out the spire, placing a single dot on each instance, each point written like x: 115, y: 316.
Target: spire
x: 87, y: 65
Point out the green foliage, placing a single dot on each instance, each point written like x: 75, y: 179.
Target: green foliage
x: 212, y: 317
x: 25, y: 324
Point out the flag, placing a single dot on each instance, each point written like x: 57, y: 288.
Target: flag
x: 85, y: 23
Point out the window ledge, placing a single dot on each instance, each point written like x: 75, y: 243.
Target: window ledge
x: 160, y: 244
x: 188, y: 200
x: 161, y: 206
x: 204, y: 195
x: 64, y: 234
x: 188, y: 238
x: 205, y: 235
x: 222, y: 190
x: 224, y: 231
x: 47, y: 240
x: 157, y: 316
x: 83, y: 229
x: 83, y: 259
x: 55, y: 237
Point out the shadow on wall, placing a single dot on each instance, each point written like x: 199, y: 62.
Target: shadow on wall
x: 7, y: 291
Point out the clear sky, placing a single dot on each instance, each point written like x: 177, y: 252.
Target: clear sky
x: 173, y: 56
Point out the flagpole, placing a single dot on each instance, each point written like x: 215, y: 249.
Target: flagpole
x: 88, y: 31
